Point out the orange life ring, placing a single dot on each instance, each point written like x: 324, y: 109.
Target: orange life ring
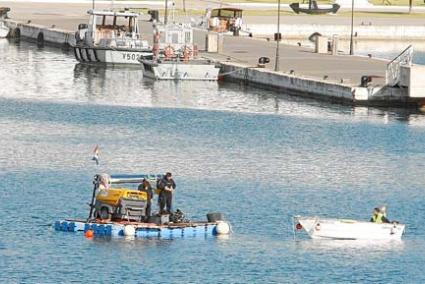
x: 187, y: 52
x: 169, y: 52
x: 195, y: 50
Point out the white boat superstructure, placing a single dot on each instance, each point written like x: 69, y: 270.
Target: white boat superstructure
x: 346, y: 229
x: 175, y: 57
x: 111, y: 37
x: 4, y: 30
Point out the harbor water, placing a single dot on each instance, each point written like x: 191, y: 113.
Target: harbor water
x: 257, y: 156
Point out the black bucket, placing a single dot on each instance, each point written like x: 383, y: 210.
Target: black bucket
x: 159, y: 219
x: 214, y: 217
x: 155, y: 220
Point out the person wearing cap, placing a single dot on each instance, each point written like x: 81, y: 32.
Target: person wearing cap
x: 378, y: 217
x: 145, y: 186
x: 166, y: 186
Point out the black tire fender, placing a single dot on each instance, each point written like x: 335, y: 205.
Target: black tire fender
x: 40, y: 39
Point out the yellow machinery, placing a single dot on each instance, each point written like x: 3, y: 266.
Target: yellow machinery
x: 119, y: 202
x: 112, y: 196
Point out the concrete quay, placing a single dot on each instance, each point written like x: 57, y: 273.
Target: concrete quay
x: 361, y: 32
x: 302, y: 71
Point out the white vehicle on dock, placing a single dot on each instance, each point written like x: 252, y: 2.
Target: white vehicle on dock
x: 175, y: 57
x: 345, y: 229
x: 110, y: 37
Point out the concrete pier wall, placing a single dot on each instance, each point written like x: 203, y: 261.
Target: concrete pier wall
x: 395, y: 32
x: 319, y: 89
x: 303, y: 86
x: 40, y: 34
x: 322, y: 89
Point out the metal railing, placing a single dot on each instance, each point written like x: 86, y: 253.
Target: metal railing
x: 393, y: 67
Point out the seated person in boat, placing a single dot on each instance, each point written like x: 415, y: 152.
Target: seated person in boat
x: 378, y: 217
x: 146, y: 187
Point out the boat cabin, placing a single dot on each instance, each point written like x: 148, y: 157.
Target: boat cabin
x: 111, y: 29
x: 225, y: 20
x: 3, y: 12
x: 176, y: 35
x: 174, y: 40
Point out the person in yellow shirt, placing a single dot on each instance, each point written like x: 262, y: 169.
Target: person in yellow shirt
x: 378, y: 217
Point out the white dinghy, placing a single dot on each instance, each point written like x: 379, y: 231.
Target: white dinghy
x: 345, y: 229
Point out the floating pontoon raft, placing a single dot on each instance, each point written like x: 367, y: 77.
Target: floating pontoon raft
x: 121, y: 211
x: 116, y: 229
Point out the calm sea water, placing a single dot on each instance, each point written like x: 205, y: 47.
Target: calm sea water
x: 257, y: 156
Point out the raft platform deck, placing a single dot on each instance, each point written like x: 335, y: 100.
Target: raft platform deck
x: 146, y: 230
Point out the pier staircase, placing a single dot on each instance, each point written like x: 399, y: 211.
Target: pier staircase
x: 402, y: 74
x: 393, y: 73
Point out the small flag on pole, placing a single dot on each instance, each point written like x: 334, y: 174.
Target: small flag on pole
x: 96, y: 154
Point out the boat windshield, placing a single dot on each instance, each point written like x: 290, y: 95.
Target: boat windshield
x: 226, y: 13
x: 117, y: 24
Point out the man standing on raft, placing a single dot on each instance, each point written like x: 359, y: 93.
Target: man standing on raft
x: 166, y: 186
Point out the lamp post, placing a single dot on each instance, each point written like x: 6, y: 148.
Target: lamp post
x: 166, y: 12
x: 276, y: 63
x: 352, y: 27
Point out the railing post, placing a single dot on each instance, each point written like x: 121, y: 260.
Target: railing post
x: 393, y: 67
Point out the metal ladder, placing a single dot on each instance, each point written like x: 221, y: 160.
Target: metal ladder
x: 393, y: 67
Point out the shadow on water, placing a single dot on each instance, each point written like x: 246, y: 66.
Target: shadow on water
x: 352, y: 248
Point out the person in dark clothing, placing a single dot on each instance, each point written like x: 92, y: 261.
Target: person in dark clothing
x: 146, y: 187
x: 166, y: 186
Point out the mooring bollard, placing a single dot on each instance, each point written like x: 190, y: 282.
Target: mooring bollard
x: 321, y: 44
x: 335, y: 45
x: 212, y: 42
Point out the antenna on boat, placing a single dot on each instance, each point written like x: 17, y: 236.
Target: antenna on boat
x: 112, y: 5
x: 92, y: 4
x: 172, y: 11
